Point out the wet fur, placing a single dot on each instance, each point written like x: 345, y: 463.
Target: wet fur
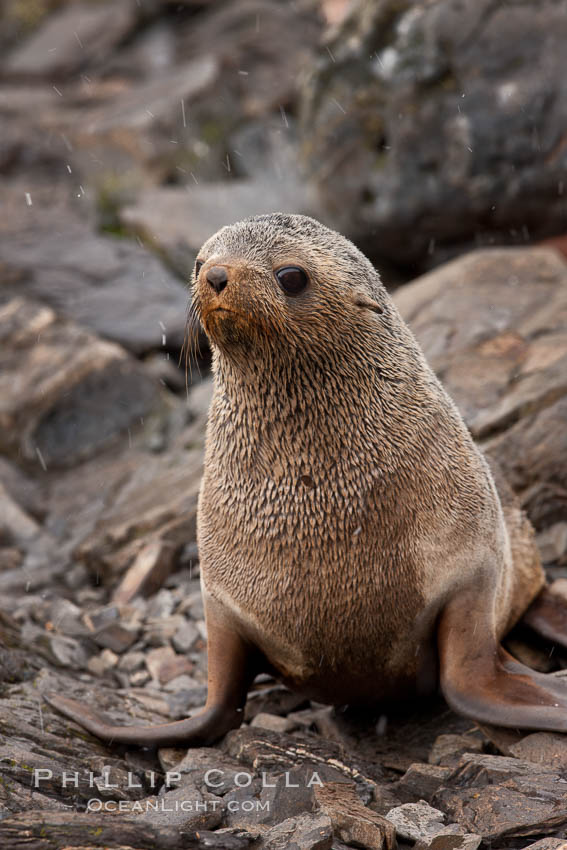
x: 343, y: 499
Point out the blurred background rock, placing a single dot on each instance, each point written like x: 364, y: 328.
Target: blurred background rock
x: 430, y: 128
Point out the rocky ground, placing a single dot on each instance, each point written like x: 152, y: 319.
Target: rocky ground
x: 130, y: 132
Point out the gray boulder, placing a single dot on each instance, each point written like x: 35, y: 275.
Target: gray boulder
x: 431, y: 127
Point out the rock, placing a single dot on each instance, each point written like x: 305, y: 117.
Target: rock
x: 304, y: 832
x: 275, y: 699
x: 290, y: 794
x: 544, y: 748
x: 164, y: 665
x: 552, y: 543
x: 97, y: 619
x: 271, y: 751
x: 160, y: 606
x: 352, y: 822
x: 248, y: 37
x: 131, y: 661
x: 101, y: 664
x: 28, y: 493
x: 539, y: 481
x: 414, y: 821
x: 36, y: 764
x: 183, y: 702
x: 497, y: 797
x: 66, y: 652
x: 185, y: 636
x: 151, y: 128
x: 178, y: 221
x: 163, y: 368
x: 193, y: 604
x: 13, y: 794
x: 502, y: 739
x: 154, y: 99
x: 70, y: 39
x: 482, y: 770
x: 508, y: 335
x: 113, y: 286
x: 60, y: 387
x: 127, y: 500
x: 10, y: 558
x: 265, y: 149
x: 448, y: 749
x: 273, y: 722
x: 16, y: 526
x: 148, y: 522
x: 151, y: 566
x: 65, y: 617
x: 202, y: 766
x: 76, y: 577
x: 182, y: 683
x: 450, y: 838
x: 547, y: 844
x: 506, y: 365
x: 497, y: 812
x: 184, y: 807
x: 435, y: 129
x: 104, y: 830
x: 159, y: 631
x: 150, y: 699
x: 422, y: 780
x: 274, y: 797
x: 200, y: 396
x: 139, y: 678
x: 559, y: 587
x: 38, y: 570
x: 117, y: 636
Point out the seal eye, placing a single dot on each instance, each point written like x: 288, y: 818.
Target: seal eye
x: 292, y: 279
x: 198, y: 267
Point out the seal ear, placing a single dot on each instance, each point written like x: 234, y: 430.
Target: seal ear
x: 362, y: 300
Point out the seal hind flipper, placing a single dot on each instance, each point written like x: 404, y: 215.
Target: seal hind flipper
x: 201, y: 729
x: 480, y: 680
x: 547, y: 615
x: 232, y: 667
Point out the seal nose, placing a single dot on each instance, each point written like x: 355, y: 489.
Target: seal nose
x: 217, y: 277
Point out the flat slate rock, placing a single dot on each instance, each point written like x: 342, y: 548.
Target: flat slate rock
x: 433, y: 127
x: 70, y: 39
x: 304, y: 832
x: 113, y: 286
x: 44, y: 830
x: 149, y: 515
x: 64, y: 393
x: 506, y: 365
x: 179, y: 221
x: 496, y: 812
x: 499, y: 797
x: 543, y: 748
x: 155, y: 99
x: 353, y: 822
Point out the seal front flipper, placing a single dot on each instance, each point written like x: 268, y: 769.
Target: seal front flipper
x: 547, y: 615
x: 232, y: 666
x: 480, y: 680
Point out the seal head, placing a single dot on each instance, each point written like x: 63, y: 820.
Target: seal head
x: 288, y: 283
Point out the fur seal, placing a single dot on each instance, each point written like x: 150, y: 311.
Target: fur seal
x: 352, y: 537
